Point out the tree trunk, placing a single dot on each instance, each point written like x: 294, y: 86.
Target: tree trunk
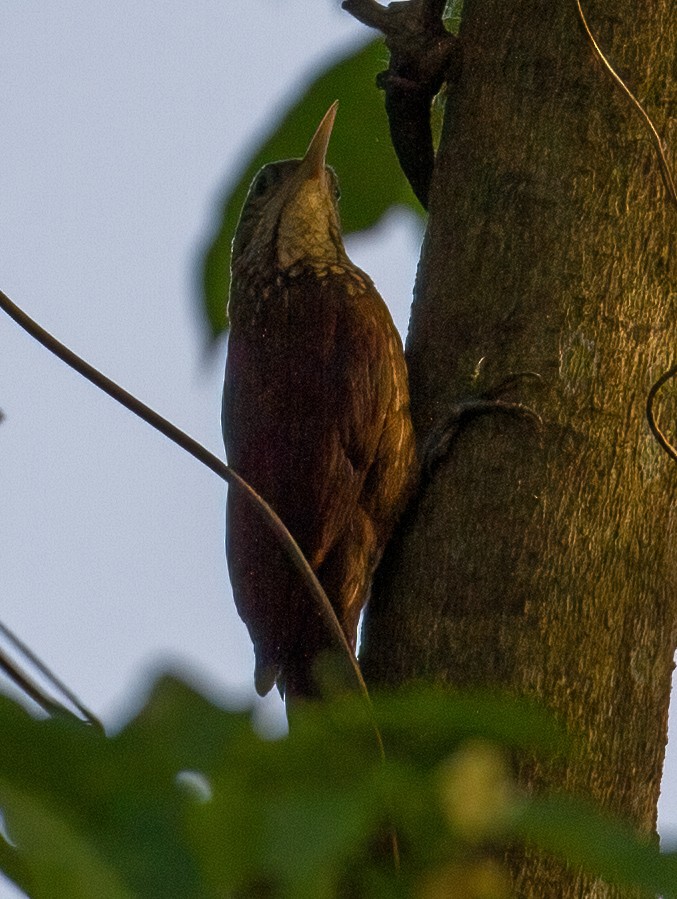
x: 546, y: 563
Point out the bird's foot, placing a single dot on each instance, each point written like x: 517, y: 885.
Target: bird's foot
x: 441, y: 438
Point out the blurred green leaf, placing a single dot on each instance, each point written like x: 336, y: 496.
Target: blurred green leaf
x: 424, y: 723
x: 188, y: 800
x: 114, y: 803
x: 60, y: 859
x: 585, y: 837
x: 360, y: 151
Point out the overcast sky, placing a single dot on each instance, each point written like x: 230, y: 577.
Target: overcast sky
x: 121, y: 124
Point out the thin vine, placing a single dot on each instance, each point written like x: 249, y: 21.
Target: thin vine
x: 655, y: 429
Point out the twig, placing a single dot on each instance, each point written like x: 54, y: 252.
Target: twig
x: 655, y: 430
x: 32, y: 690
x: 656, y: 139
x: 199, y: 452
x: 423, y: 55
x: 369, y: 12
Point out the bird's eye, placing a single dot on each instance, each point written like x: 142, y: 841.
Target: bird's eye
x: 265, y: 178
x: 336, y: 190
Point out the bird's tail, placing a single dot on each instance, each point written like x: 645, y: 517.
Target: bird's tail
x: 316, y: 667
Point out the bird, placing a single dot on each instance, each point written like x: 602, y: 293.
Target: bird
x: 315, y: 418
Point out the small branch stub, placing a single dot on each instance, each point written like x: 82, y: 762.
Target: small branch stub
x: 423, y: 55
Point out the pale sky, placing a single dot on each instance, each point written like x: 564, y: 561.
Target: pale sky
x: 120, y: 126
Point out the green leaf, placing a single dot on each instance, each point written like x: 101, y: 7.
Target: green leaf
x: 585, y: 837
x: 61, y: 860
x: 360, y: 151
x: 114, y: 803
x: 188, y: 800
x: 290, y: 814
x: 424, y: 723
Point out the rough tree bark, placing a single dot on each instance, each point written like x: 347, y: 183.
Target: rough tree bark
x: 547, y: 564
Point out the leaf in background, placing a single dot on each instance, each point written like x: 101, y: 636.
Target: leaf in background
x: 61, y: 860
x: 105, y: 810
x: 424, y: 722
x: 587, y: 837
x: 360, y: 151
x: 188, y: 800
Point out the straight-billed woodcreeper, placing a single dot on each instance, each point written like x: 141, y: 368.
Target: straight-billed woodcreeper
x: 315, y: 417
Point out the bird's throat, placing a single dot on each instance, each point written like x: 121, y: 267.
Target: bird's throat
x: 308, y: 229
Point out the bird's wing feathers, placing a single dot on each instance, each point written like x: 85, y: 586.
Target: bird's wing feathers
x: 305, y: 401
x: 304, y: 405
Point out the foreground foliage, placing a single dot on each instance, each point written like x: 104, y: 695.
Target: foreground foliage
x: 189, y: 800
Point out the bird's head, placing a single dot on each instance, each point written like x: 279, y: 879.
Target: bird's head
x: 290, y: 214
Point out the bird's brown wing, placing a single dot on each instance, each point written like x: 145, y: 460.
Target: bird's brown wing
x: 305, y: 399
